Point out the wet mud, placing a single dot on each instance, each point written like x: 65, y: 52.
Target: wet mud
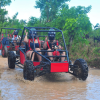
x: 55, y: 86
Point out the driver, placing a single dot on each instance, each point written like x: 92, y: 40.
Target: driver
x: 15, y: 35
x: 29, y: 41
x: 53, y: 44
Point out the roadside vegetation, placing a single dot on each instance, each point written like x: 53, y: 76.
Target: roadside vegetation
x: 0, y: 94
x: 81, y: 37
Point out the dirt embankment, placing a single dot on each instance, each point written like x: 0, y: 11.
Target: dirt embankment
x: 3, y: 63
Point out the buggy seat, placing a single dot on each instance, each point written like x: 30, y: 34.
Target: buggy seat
x: 5, y: 41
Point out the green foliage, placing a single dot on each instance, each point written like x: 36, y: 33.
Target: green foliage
x: 96, y: 51
x: 4, y: 3
x: 14, y: 22
x: 76, y: 29
x: 95, y: 33
x: 3, y: 13
x: 89, y: 52
x: 64, y: 12
x: 32, y: 21
x: 49, y: 8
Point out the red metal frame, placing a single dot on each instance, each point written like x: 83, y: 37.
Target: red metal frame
x: 36, y: 63
x: 55, y: 66
x: 0, y: 45
x: 22, y: 57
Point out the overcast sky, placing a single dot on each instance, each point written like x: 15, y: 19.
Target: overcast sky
x: 25, y: 9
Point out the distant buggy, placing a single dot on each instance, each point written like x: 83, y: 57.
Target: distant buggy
x: 7, y: 42
x: 32, y: 69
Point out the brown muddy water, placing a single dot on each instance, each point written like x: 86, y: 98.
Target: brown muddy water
x: 55, y: 86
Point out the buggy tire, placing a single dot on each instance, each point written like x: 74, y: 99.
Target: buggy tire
x: 11, y: 59
x: 4, y: 51
x: 28, y: 71
x: 81, y: 71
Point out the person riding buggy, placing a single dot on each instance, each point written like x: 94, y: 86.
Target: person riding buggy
x: 7, y: 42
x: 29, y: 47
x: 53, y: 44
x: 15, y: 37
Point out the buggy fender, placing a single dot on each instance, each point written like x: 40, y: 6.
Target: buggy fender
x: 22, y: 57
x: 0, y: 45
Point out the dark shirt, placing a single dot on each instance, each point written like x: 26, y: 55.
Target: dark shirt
x: 52, y: 45
x: 32, y: 46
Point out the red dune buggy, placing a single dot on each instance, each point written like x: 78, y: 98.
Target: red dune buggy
x: 6, y: 42
x: 32, y: 69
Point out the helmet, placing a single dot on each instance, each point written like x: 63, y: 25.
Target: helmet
x: 32, y: 31
x: 15, y: 32
x: 51, y: 34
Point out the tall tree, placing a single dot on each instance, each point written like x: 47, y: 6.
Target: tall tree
x: 3, y: 13
x: 96, y: 26
x: 32, y: 21
x: 49, y: 8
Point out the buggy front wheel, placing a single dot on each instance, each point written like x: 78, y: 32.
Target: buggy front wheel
x: 28, y: 71
x: 11, y: 59
x: 80, y: 69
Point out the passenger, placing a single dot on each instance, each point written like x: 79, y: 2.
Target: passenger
x: 30, y: 53
x: 52, y: 44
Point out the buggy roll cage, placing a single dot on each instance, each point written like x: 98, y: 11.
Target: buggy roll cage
x: 38, y: 29
x: 8, y: 29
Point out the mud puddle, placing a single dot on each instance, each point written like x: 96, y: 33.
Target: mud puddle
x: 55, y: 86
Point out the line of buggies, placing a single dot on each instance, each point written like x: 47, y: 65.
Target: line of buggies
x: 8, y: 41
x: 16, y: 53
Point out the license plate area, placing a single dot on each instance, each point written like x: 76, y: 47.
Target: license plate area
x: 60, y: 67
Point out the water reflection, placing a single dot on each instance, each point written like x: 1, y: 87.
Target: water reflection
x: 9, y: 90
x: 0, y: 52
x: 93, y: 85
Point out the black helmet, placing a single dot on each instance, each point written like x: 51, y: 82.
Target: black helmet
x: 32, y: 31
x: 15, y: 32
x: 51, y: 34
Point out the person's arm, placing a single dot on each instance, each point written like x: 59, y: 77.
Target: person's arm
x: 45, y: 43
x: 40, y: 44
x: 59, y: 46
x: 13, y: 33
x: 26, y: 39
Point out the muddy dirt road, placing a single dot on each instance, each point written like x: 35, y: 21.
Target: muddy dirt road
x: 57, y: 86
